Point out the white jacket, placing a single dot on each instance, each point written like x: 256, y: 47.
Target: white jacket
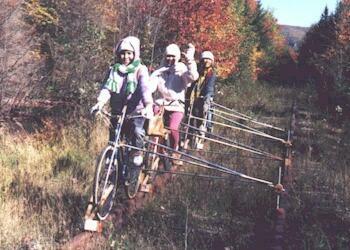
x: 172, y: 83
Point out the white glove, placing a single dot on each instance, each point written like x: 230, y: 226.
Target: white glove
x: 147, y: 112
x: 189, y: 56
x: 96, y: 108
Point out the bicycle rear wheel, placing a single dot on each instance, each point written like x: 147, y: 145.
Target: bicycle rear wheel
x: 105, y: 182
x: 152, y: 159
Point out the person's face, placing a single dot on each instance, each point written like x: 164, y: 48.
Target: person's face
x: 170, y: 60
x: 207, y: 63
x: 126, y: 57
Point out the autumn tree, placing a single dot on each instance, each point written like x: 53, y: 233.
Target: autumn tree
x: 209, y: 25
x: 21, y: 61
x: 324, y: 58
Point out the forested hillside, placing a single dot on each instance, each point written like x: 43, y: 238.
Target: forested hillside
x: 54, y: 55
x: 294, y: 34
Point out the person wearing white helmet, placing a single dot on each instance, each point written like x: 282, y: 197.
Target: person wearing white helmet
x: 172, y: 80
x: 202, y: 91
x: 127, y: 83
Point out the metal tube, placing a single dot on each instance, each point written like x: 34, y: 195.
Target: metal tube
x: 252, y: 150
x: 246, y: 130
x: 210, y: 164
x: 228, y: 140
x: 238, y: 123
x: 249, y: 120
x: 232, y: 110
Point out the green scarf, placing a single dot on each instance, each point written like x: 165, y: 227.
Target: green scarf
x: 131, y: 77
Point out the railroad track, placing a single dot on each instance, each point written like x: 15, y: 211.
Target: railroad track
x: 286, y: 173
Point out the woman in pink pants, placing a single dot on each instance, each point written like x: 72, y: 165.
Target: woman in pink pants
x: 172, y: 79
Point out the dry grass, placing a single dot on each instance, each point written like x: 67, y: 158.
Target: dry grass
x: 46, y: 180
x: 320, y: 203
x: 44, y: 186
x: 219, y: 213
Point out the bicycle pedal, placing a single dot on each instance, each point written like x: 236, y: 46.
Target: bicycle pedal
x: 93, y: 225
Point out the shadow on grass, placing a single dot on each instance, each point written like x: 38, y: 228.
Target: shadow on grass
x: 70, y: 164
x: 62, y: 210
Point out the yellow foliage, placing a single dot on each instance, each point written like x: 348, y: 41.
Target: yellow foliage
x: 255, y: 58
x: 40, y: 13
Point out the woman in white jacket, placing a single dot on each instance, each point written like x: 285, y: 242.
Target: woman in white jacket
x: 172, y: 79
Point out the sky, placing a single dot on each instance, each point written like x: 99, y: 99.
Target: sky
x: 298, y: 12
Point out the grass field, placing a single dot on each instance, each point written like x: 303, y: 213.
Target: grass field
x: 47, y: 177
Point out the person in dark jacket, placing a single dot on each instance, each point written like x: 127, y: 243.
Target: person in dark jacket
x: 202, y: 91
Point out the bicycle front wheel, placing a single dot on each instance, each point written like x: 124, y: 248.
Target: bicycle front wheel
x: 105, y: 183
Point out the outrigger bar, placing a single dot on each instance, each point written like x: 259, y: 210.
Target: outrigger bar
x: 233, y: 144
x: 207, y: 164
x: 245, y: 130
x: 238, y: 123
x: 246, y: 118
x: 243, y: 116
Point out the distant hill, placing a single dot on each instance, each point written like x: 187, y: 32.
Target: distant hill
x: 293, y: 34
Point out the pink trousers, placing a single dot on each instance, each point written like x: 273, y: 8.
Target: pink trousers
x: 173, y: 120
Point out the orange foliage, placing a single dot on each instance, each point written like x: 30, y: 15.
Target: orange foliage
x: 274, y: 34
x: 252, y: 6
x: 208, y: 25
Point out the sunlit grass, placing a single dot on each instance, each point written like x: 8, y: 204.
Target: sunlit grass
x: 44, y: 185
x: 46, y: 179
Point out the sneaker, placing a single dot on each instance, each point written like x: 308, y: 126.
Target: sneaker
x: 137, y: 160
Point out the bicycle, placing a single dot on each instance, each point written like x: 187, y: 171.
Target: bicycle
x: 157, y: 135
x: 113, y: 169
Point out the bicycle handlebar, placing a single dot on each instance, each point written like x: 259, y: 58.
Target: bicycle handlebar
x: 109, y: 115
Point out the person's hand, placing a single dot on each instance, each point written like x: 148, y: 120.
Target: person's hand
x: 147, y: 112
x: 189, y: 55
x: 96, y: 108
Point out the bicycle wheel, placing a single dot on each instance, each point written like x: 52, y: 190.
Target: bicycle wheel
x: 135, y: 177
x: 152, y: 159
x: 105, y: 182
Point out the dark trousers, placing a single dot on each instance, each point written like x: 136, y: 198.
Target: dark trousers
x: 132, y: 128
x: 201, y: 107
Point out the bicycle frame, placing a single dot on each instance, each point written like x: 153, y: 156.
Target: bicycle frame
x: 116, y: 143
